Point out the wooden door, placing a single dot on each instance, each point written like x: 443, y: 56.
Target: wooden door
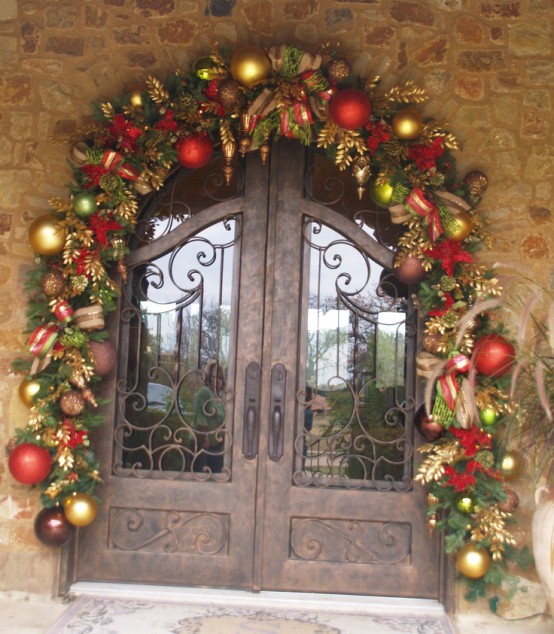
x: 305, y: 483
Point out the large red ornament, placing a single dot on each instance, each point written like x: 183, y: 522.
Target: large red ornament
x: 195, y: 150
x: 493, y: 355
x: 29, y: 463
x: 350, y: 108
x: 52, y: 528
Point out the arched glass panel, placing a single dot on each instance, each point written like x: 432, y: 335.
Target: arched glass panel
x: 178, y: 327
x: 355, y: 394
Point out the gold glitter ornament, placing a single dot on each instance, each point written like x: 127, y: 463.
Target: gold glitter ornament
x: 229, y: 94
x: 338, y: 70
x: 475, y: 183
x: 52, y: 283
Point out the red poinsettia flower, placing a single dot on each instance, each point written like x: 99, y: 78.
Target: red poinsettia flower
x: 449, y: 253
x: 425, y: 156
x: 101, y: 226
x: 447, y: 305
x: 472, y: 439
x: 459, y: 481
x: 167, y: 123
x: 378, y: 132
x: 81, y: 260
x: 72, y: 437
x: 124, y: 133
x: 94, y: 174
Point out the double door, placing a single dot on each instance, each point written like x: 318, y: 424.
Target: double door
x: 261, y: 435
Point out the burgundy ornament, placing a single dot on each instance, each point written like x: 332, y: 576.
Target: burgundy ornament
x: 411, y: 270
x: 195, y: 150
x: 350, y: 108
x: 510, y: 504
x: 427, y: 426
x: 493, y: 355
x: 52, y: 528
x: 29, y: 463
x: 103, y: 357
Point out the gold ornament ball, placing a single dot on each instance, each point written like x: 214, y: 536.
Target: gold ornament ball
x: 250, y: 65
x: 381, y: 194
x: 46, y: 235
x: 52, y: 283
x: 473, y: 562
x: 460, y: 227
x: 72, y: 403
x: 80, y: 509
x: 28, y: 390
x: 511, y: 465
x: 407, y: 124
x: 135, y: 96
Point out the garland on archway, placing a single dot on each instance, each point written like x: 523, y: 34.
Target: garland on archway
x: 241, y: 102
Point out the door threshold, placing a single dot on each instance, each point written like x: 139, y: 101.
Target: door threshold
x: 336, y: 603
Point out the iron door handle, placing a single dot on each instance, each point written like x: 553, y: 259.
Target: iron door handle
x: 251, y: 433
x: 277, y: 416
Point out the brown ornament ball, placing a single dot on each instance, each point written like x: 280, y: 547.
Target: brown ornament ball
x: 428, y: 427
x: 411, y: 270
x: 52, y: 528
x: 52, y: 283
x: 511, y: 465
x: 431, y: 342
x: 510, y: 504
x: 476, y: 183
x: 229, y: 94
x: 338, y: 70
x: 103, y: 356
x: 72, y: 403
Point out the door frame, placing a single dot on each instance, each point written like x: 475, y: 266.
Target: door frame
x: 383, y: 256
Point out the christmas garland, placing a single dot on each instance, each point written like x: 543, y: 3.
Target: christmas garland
x: 240, y: 102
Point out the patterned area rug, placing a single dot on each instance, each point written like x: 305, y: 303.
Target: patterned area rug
x: 92, y: 615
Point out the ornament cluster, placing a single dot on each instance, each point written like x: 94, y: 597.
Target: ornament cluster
x: 233, y: 103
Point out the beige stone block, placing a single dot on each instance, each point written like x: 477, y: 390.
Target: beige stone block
x: 20, y: 125
x: 33, y: 571
x: 8, y: 10
x: 307, y: 33
x: 505, y: 110
x: 474, y: 116
x: 530, y: 38
x: 13, y: 185
x: 538, y: 98
x: 500, y: 138
x: 538, y: 167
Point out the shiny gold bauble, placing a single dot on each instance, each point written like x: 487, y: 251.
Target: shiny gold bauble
x: 381, y: 194
x: 511, y: 465
x: 459, y: 228
x: 476, y: 183
x: 407, y: 124
x: 47, y: 235
x: 28, y: 390
x: 80, y: 509
x: 136, y: 96
x: 473, y: 562
x: 250, y: 65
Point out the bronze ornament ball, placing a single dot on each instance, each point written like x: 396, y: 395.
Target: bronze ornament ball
x: 411, y: 270
x: 407, y: 124
x: 250, y: 65
x: 338, y: 70
x: 475, y: 183
x: 473, y: 562
x: 80, y: 509
x: 510, y: 504
x: 103, y: 356
x: 47, y: 235
x: 72, y: 403
x: 52, y: 528
x: 511, y: 465
x: 28, y: 391
x: 229, y: 94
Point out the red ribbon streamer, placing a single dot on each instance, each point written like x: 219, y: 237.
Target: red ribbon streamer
x: 448, y: 383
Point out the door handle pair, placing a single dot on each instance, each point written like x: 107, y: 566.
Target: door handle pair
x: 251, y: 434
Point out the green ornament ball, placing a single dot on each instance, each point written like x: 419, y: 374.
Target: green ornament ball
x: 488, y: 416
x: 465, y: 503
x: 204, y: 69
x: 84, y: 204
x: 381, y: 194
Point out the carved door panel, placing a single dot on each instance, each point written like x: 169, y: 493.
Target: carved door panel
x: 296, y: 473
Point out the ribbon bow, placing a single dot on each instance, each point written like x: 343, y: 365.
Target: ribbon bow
x: 448, y: 382
x: 111, y: 163
x: 418, y: 204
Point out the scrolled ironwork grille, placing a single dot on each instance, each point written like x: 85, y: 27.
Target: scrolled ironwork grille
x: 355, y: 395
x: 178, y: 335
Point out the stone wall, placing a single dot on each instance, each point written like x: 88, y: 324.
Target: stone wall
x: 487, y: 65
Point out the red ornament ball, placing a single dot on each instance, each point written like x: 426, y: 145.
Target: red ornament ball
x: 29, y: 463
x: 411, y: 270
x: 428, y: 427
x: 195, y: 150
x: 510, y: 504
x: 493, y: 355
x: 103, y: 356
x: 350, y: 108
x: 52, y: 528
